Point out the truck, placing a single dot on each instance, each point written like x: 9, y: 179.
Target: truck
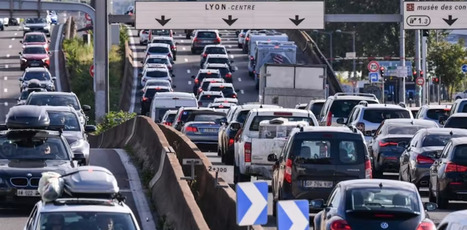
x: 271, y: 52
x: 288, y: 85
x: 266, y: 36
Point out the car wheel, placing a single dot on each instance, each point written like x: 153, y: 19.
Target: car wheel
x: 229, y: 159
x: 274, y: 208
x: 441, y: 201
x: 239, y: 45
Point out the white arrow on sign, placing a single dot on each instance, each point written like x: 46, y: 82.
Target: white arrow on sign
x: 258, y: 203
x: 299, y: 222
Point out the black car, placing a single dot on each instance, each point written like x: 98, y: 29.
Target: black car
x: 148, y: 95
x: 424, y: 148
x: 373, y: 204
x: 390, y: 140
x: 315, y: 159
x: 202, y: 74
x: 448, y: 173
x: 457, y: 120
x: 212, y: 49
x: 183, y: 113
x: 28, y: 147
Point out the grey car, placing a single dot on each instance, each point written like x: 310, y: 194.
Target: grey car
x: 202, y: 127
x: 434, y: 113
x: 203, y: 38
x: 36, y: 24
x: 41, y: 75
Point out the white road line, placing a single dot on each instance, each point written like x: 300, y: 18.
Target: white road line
x: 242, y: 92
x: 230, y: 46
x: 5, y: 104
x: 13, y: 39
x: 8, y: 56
x: 239, y: 79
x: 182, y: 41
x: 236, y: 68
x: 188, y: 71
x: 189, y: 82
x: 135, y: 71
x: 186, y: 60
x: 183, y: 48
x: 5, y: 90
x: 5, y: 78
x: 6, y: 66
x: 16, y: 34
x: 57, y: 49
x: 231, y: 56
x: 10, y: 46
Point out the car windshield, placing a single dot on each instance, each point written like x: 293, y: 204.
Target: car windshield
x: 255, y: 123
x: 404, y: 130
x: 456, y: 122
x: 437, y: 139
x: 158, y: 49
x: 35, y: 38
x: 157, y: 73
x: 34, y: 50
x: 163, y: 41
x: 158, y: 83
x: 161, y: 32
x: 67, y: 119
x: 435, y: 114
x: 158, y: 60
x: 342, y: 108
x: 384, y: 199
x: 170, y: 118
x: 32, y: 145
x: 36, y: 20
x: 202, y: 34
x: 207, y: 117
x: 215, y: 50
x: 76, y: 220
x: 151, y: 92
x: 317, y: 149
x: 218, y: 60
x: 379, y: 115
x: 54, y: 100
x: 41, y: 76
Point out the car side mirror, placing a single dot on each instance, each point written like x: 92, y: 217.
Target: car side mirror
x: 174, y: 86
x: 173, y: 75
x: 90, y: 128
x: 140, y: 75
x: 49, y: 53
x: 142, y: 62
x: 232, y: 61
x: 20, y: 79
x: 86, y: 108
x: 317, y: 204
x: 228, y: 51
x: 232, y: 70
x: 176, y: 43
x: 272, y: 157
x: 54, y: 78
x: 48, y: 41
x: 20, y: 53
x: 430, y: 206
x: 193, y: 77
x: 340, y: 121
x: 235, y: 126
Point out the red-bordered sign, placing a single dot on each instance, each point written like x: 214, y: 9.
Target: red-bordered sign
x: 420, y: 81
x: 88, y: 17
x: 373, y: 66
x: 91, y: 70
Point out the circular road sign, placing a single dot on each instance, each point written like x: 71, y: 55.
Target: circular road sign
x: 420, y: 81
x: 88, y: 17
x: 91, y: 70
x: 373, y: 66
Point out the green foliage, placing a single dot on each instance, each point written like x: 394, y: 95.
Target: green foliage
x: 113, y: 119
x: 123, y: 37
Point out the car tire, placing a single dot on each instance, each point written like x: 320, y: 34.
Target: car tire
x: 239, y: 45
x: 441, y: 201
x: 229, y: 159
x: 274, y: 208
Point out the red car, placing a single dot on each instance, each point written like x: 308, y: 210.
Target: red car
x: 34, y: 56
x: 35, y: 38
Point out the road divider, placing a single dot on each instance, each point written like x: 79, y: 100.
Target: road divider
x: 128, y: 78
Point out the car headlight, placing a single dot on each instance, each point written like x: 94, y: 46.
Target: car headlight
x: 24, y: 59
x: 79, y: 144
x: 26, y: 28
x: 45, y: 59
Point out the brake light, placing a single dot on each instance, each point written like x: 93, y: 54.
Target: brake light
x: 384, y: 144
x: 234, y: 96
x: 329, y: 119
x: 218, y: 39
x: 191, y: 129
x: 361, y: 126
x: 453, y: 167
x: 228, y: 75
x: 145, y: 32
x: 426, y: 225
x: 282, y: 114
x: 172, y: 47
x: 195, y: 39
x: 247, y: 147
x: 248, y: 38
x: 340, y: 225
x: 196, y: 81
x: 200, y: 90
x: 242, y: 35
x: 231, y: 141
x: 145, y: 99
x: 368, y: 170
x: 205, y: 55
x: 252, y: 58
x: 170, y: 55
x: 424, y: 159
x: 167, y: 123
x: 288, y: 171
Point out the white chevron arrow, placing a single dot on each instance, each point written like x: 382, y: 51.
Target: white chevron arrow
x: 258, y: 203
x: 299, y: 221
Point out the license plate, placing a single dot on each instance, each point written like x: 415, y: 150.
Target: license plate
x: 317, y: 184
x: 210, y: 130
x: 27, y: 192
x: 34, y: 64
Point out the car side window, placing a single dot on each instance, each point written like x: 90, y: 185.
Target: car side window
x: 325, y: 109
x: 446, y: 150
x: 32, y: 217
x: 352, y: 116
x: 335, y: 198
x: 414, y: 141
x: 286, y: 149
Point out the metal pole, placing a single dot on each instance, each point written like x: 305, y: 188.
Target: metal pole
x: 354, y: 60
x: 101, y: 61
x: 426, y: 88
x: 417, y: 66
x: 330, y: 49
x: 402, y: 50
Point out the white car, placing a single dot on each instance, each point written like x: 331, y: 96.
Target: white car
x: 143, y: 37
x: 155, y: 73
x: 10, y: 21
x: 460, y: 95
x: 241, y: 37
x: 454, y: 220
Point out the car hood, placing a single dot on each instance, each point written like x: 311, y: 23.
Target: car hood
x: 13, y: 167
x: 35, y: 56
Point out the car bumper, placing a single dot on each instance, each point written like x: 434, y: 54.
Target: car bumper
x: 454, y: 191
x: 8, y: 196
x: 40, y: 63
x: 202, y: 139
x: 263, y: 170
x: 389, y: 162
x: 421, y: 175
x: 200, y: 45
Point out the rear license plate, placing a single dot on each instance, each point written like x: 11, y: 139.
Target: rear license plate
x: 317, y: 184
x: 34, y: 64
x: 210, y: 130
x: 27, y: 192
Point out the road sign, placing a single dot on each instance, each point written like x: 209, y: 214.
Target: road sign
x: 252, y: 203
x: 420, y: 81
x: 293, y: 214
x: 230, y: 15
x: 91, y: 70
x: 87, y: 17
x: 374, y: 77
x: 464, y: 68
x: 373, y: 66
x: 401, y: 71
x: 391, y: 67
x: 435, y: 15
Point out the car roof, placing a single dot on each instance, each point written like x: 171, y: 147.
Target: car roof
x: 405, y: 121
x: 217, y: 56
x: 217, y: 65
x: 37, y: 69
x: 157, y: 87
x: 250, y: 106
x: 59, y: 108
x: 226, y: 104
x: 54, y: 93
x: 174, y: 94
x: 207, y: 31
x: 209, y: 70
x: 445, y: 131
x: 382, y: 106
x: 163, y: 38
x: 213, y: 79
x: 227, y: 99
x: 157, y: 56
x: 221, y: 84
x: 458, y: 115
x: 280, y: 109
x: 447, y: 106
x: 157, y: 80
x: 37, y: 46
x: 459, y: 140
x: 218, y: 45
x: 34, y: 33
x: 460, y: 100
x: 158, y: 44
x: 150, y: 69
x: 339, y: 129
x: 357, y: 183
x: 106, y: 206
x: 354, y: 96
x: 155, y: 65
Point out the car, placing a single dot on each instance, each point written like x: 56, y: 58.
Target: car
x: 457, y: 120
x: 169, y: 117
x: 168, y: 101
x: 2, y: 27
x: 59, y: 99
x: 301, y: 106
x: 36, y: 24
x: 183, y: 113
x: 148, y: 95
x: 75, y: 133
x: 203, y: 86
x: 367, y: 117
x: 414, y: 111
x: 169, y: 41
x: 224, y: 69
x: 226, y: 100
x: 315, y: 107
x: 34, y: 56
x: 202, y: 127
x: 448, y: 172
x: 217, y: 59
x: 389, y: 142
x: 42, y: 77
x: 460, y: 95
x: 159, y: 48
x: 30, y: 146
x: 159, y: 73
x: 53, y: 17
x: 454, y: 220
x: 340, y: 105
x: 157, y: 82
x: 158, y: 59
x: 317, y: 158
x: 227, y: 89
x: 202, y: 38
x: 206, y: 97
x: 212, y: 49
x: 35, y: 38
x: 159, y: 33
x: 202, y: 74
x: 241, y: 37
x: 9, y: 22
x: 25, y: 93
x: 143, y: 37
x: 246, y: 41
x: 90, y: 200
x: 373, y: 204
x: 435, y: 113
x: 459, y: 106
x: 424, y: 148
x: 221, y: 107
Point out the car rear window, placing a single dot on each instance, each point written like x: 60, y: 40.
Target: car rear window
x: 408, y: 130
x: 257, y: 119
x: 462, y: 108
x: 209, y: 97
x: 158, y: 49
x: 158, y: 83
x: 436, y: 140
x: 242, y: 116
x: 316, y: 108
x: 456, y: 122
x: 163, y: 41
x: 215, y: 50
x: 460, y: 154
x: 207, y: 117
x: 342, y: 108
x: 324, y: 149
x: 437, y: 113
x: 170, y: 118
x: 218, y: 60
x: 41, y: 76
x: 151, y: 92
x: 156, y: 74
x: 158, y: 60
x: 224, y: 71
x: 54, y: 100
x: 379, y: 115
x: 206, y: 35
x: 34, y: 38
x: 385, y: 199
x: 161, y: 32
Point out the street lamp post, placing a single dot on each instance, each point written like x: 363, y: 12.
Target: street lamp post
x: 353, y: 33
x: 330, y: 43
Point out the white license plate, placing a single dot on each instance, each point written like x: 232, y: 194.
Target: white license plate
x: 27, y: 192
x: 210, y: 130
x: 34, y: 64
x: 317, y: 184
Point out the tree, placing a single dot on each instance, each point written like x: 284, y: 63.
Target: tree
x: 447, y: 59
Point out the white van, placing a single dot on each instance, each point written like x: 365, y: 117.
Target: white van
x: 170, y: 100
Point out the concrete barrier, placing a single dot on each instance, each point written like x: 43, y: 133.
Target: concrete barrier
x: 151, y: 151
x: 127, y: 80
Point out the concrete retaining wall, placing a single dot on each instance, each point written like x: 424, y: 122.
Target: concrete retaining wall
x: 127, y: 81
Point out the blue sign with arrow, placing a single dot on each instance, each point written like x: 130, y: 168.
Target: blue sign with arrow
x: 374, y: 77
x: 464, y: 68
x: 252, y: 203
x: 293, y: 215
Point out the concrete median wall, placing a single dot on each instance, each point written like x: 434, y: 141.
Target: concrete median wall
x: 152, y: 152
x: 127, y: 80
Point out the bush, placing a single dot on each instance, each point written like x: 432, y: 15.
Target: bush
x: 113, y: 119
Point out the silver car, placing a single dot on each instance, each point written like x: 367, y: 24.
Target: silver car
x: 434, y: 113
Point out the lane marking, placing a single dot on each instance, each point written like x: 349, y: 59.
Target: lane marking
x: 239, y: 79
x: 6, y: 66
x: 231, y: 56
x: 13, y: 39
x: 5, y: 90
x: 10, y: 46
x: 188, y: 71
x: 5, y: 78
x: 182, y: 41
x: 57, y: 49
x: 183, y: 48
x: 5, y: 104
x: 135, y: 70
x: 230, y: 46
x: 186, y: 60
x: 242, y: 92
x: 16, y: 34
x: 189, y: 82
x: 236, y: 68
x: 8, y: 56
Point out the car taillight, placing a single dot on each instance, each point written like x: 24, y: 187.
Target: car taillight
x: 361, y: 126
x: 329, y: 119
x: 231, y: 141
x: 167, y: 123
x: 242, y: 35
x: 228, y: 75
x: 252, y: 58
x: 172, y: 47
x: 145, y: 99
x: 453, y: 167
x: 200, y: 90
x: 191, y: 129
x: 368, y: 170
x: 196, y: 81
x: 384, y: 143
x: 288, y: 171
x: 247, y: 151
x: 234, y: 96
x: 170, y: 55
x: 248, y: 38
x: 426, y: 225
x: 205, y: 55
x: 421, y: 159
x: 180, y: 117
x: 340, y: 225
x: 145, y: 32
x: 218, y: 39
x: 195, y: 40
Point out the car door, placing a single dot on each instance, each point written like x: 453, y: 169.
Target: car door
x: 331, y: 207
x: 435, y: 168
x: 279, y: 166
x: 407, y: 155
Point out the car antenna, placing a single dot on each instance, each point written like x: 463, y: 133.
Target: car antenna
x: 381, y: 185
x: 450, y: 133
